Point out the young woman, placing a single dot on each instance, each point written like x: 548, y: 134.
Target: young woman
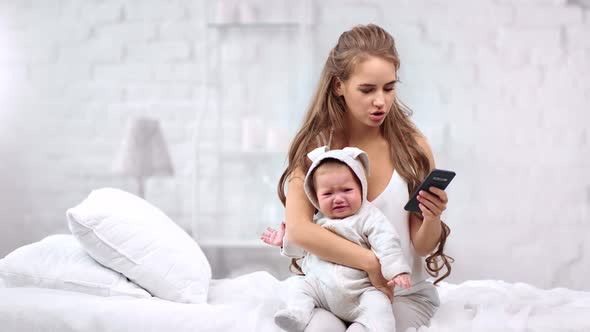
x: 356, y: 105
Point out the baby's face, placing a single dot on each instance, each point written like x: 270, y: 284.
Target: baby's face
x: 338, y: 192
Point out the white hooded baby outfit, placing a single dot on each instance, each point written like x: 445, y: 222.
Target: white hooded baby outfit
x: 344, y: 291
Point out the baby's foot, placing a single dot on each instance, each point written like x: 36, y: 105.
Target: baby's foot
x: 288, y: 321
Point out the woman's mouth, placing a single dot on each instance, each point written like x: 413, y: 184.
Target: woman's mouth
x: 377, y: 116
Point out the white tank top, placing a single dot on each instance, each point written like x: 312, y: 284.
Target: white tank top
x: 391, y: 202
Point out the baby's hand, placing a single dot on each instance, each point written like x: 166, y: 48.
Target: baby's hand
x: 402, y: 280
x: 274, y: 237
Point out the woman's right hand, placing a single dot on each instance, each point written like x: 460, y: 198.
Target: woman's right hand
x: 378, y: 281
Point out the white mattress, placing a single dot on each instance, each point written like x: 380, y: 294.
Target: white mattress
x: 247, y: 303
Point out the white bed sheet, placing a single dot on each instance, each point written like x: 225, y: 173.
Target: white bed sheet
x: 247, y: 303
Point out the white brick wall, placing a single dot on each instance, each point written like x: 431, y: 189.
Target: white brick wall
x: 500, y: 88
x: 72, y: 74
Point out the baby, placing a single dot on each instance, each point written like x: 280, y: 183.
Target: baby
x: 336, y: 184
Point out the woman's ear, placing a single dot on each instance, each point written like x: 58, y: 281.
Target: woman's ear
x: 337, y: 87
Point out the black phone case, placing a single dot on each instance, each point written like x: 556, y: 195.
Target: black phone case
x: 438, y: 178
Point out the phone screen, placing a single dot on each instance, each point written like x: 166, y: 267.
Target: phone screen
x: 438, y: 178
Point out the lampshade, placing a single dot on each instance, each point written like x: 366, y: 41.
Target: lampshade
x: 143, y: 152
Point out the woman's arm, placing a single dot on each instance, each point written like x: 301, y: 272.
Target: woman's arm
x: 317, y: 240
x: 425, y: 234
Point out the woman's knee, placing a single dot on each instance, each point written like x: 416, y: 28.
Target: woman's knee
x: 410, y: 313
x: 323, y: 320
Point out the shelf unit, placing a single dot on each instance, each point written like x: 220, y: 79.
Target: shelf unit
x: 257, y: 84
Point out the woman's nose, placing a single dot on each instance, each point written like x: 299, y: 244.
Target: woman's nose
x: 379, y: 101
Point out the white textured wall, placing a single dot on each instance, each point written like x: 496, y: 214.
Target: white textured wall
x: 72, y: 73
x: 500, y: 87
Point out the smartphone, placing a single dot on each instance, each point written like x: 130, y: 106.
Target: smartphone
x: 438, y: 178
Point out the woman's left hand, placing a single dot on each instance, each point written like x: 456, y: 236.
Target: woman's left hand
x: 432, y: 205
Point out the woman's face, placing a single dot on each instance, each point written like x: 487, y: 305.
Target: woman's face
x: 369, y: 92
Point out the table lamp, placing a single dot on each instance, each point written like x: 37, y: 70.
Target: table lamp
x: 143, y: 152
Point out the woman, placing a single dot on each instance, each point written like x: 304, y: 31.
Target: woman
x: 355, y: 105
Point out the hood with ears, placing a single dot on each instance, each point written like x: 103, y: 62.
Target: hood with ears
x: 355, y: 158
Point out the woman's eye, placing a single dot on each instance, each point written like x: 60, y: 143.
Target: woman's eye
x: 389, y: 89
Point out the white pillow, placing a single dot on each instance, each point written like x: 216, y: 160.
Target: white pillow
x: 129, y: 235
x: 60, y: 262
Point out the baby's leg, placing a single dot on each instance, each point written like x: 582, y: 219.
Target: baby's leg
x: 322, y: 320
x: 375, y: 312
x: 300, y: 304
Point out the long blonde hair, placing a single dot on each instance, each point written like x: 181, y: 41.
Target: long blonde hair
x: 325, y: 117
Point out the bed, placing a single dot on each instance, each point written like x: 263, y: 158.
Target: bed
x: 247, y: 303
x: 126, y: 266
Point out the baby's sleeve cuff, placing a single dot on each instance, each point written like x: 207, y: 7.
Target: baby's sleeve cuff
x: 290, y: 250
x: 391, y: 270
